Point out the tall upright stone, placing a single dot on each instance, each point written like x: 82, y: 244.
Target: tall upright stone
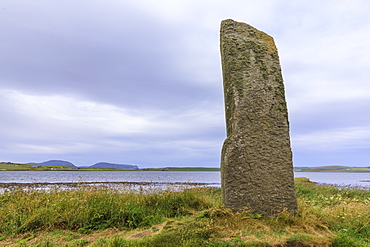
x: 256, y: 159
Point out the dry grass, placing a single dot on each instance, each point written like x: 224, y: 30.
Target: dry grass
x: 98, y: 217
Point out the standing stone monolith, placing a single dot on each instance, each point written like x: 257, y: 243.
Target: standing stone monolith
x: 256, y: 159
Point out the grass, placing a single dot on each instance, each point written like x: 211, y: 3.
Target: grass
x: 7, y: 166
x: 13, y: 167
x: 206, y: 169
x: 99, y: 216
x: 332, y: 169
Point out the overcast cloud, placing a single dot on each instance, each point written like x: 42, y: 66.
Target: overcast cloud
x: 140, y: 81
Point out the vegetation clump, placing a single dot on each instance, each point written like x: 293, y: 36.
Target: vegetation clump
x: 100, y: 216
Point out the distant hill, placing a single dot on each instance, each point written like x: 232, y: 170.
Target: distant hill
x: 54, y: 163
x: 114, y: 166
x: 182, y: 169
x: 192, y: 168
x: 332, y: 169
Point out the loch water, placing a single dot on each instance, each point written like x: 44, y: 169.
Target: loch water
x: 207, y: 177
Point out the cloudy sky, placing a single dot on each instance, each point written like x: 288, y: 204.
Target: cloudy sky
x: 139, y: 82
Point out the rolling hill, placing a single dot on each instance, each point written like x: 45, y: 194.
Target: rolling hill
x: 114, y: 166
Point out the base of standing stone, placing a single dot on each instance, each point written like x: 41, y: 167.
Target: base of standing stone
x: 249, y: 185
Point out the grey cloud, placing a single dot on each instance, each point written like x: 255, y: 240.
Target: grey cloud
x: 161, y: 64
x: 128, y: 61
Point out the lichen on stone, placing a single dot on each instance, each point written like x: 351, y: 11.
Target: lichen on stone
x: 256, y: 159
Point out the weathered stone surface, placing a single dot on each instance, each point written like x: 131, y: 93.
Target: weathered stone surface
x: 256, y: 160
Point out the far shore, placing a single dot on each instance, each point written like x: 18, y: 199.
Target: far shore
x: 8, y: 166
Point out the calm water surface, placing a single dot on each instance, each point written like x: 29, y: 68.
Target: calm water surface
x: 355, y: 179
x: 108, y: 176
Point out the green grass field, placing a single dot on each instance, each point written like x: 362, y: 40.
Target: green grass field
x: 29, y: 167
x: 13, y: 167
x: 99, y: 216
x: 332, y: 169
x: 182, y: 169
x: 26, y: 167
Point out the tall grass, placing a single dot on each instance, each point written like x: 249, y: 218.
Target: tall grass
x: 345, y: 211
x: 92, y: 208
x: 328, y: 216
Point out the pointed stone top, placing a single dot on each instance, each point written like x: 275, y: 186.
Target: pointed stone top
x: 230, y: 27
